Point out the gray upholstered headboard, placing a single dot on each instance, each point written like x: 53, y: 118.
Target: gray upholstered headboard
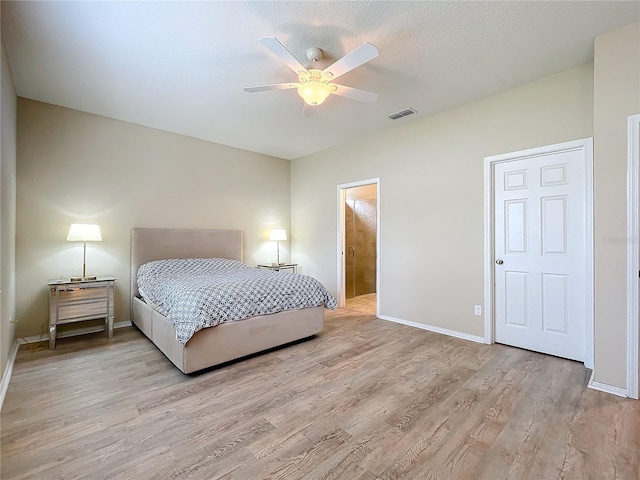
x: 149, y: 244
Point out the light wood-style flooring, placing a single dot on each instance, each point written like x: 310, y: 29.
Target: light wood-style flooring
x: 362, y: 303
x: 367, y: 399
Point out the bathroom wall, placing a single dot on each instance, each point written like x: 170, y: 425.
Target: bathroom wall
x: 360, y: 229
x: 349, y: 242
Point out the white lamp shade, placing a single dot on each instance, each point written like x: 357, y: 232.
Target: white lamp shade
x: 278, y: 234
x: 84, y: 232
x: 314, y: 92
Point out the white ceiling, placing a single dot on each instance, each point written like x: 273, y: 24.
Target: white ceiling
x: 180, y: 66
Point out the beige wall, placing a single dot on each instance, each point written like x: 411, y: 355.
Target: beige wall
x: 616, y: 97
x: 431, y: 195
x: 7, y: 214
x: 77, y: 167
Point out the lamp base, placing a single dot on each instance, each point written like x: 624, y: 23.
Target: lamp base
x: 82, y: 279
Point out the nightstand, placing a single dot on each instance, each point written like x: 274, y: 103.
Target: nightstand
x: 71, y: 302
x: 277, y: 267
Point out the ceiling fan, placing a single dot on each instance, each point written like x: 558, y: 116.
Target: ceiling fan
x: 314, y: 86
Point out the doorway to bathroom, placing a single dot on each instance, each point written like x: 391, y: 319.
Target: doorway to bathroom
x: 359, y: 245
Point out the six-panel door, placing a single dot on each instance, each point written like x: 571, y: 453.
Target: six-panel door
x: 540, y: 257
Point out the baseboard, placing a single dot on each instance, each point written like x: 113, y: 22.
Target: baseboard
x: 443, y: 331
x: 603, y: 387
x: 6, y: 376
x: 71, y: 333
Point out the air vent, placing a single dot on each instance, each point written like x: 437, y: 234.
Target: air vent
x: 403, y: 113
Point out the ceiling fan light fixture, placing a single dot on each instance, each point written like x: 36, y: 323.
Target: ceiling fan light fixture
x: 314, y: 92
x: 314, y: 85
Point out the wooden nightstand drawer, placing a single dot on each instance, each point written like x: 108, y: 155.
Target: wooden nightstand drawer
x: 96, y: 309
x: 77, y: 294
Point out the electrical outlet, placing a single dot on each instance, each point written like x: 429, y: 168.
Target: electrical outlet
x: 477, y: 310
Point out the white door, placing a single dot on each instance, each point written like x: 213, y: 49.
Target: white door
x: 633, y: 254
x: 539, y: 252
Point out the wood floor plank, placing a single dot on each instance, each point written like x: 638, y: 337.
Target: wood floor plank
x: 367, y: 399
x: 477, y: 410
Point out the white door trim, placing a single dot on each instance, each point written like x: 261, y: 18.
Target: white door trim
x: 633, y: 261
x: 340, y: 251
x: 585, y: 144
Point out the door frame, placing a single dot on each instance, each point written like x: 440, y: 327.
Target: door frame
x: 585, y: 144
x: 341, y: 246
x: 633, y: 256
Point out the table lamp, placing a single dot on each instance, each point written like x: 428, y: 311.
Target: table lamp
x: 82, y: 232
x: 276, y: 235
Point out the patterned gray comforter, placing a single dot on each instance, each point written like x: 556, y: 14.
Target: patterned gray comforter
x: 195, y: 293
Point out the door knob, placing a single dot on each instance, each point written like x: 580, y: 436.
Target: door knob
x: 499, y: 262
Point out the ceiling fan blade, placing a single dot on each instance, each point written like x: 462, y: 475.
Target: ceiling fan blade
x: 357, y: 57
x: 280, y: 51
x: 267, y: 88
x: 355, y: 94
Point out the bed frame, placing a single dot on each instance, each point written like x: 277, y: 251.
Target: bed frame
x: 225, y: 342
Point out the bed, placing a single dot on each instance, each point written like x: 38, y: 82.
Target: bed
x: 227, y: 341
